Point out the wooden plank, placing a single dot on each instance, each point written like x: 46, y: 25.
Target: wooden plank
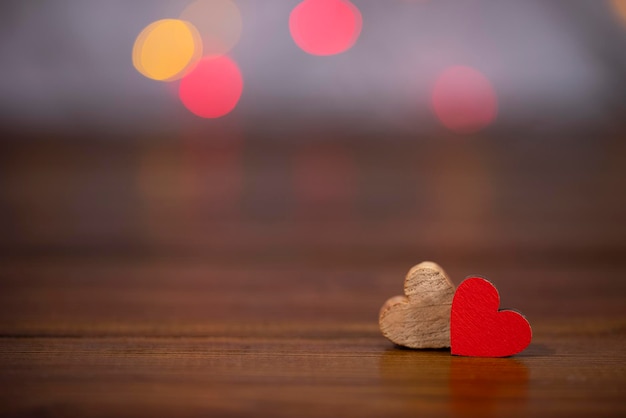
x: 157, y: 338
x: 565, y: 373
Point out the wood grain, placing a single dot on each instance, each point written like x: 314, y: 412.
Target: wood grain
x: 104, y: 337
x: 184, y: 275
x: 420, y: 318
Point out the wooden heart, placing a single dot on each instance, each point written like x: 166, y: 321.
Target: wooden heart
x: 421, y: 318
x: 479, y: 329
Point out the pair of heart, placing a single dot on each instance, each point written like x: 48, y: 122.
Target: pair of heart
x: 432, y: 314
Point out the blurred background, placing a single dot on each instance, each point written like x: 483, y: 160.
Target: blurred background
x: 332, y: 132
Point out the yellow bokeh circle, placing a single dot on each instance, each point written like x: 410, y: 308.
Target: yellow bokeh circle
x: 166, y: 49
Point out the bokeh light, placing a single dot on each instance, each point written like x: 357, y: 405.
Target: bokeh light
x: 619, y: 7
x: 219, y: 23
x: 213, y: 88
x: 325, y: 27
x: 166, y: 49
x: 464, y: 100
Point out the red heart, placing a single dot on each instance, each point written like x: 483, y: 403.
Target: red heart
x: 479, y: 329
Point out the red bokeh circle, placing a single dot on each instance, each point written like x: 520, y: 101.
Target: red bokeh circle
x: 213, y: 88
x: 464, y: 100
x: 325, y: 27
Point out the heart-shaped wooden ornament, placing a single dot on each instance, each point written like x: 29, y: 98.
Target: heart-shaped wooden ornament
x: 420, y: 318
x: 479, y: 329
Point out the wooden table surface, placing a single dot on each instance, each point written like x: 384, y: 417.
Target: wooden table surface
x: 176, y: 281
x: 187, y: 338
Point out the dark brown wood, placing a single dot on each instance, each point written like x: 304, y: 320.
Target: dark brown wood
x: 104, y: 337
x: 214, y: 275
